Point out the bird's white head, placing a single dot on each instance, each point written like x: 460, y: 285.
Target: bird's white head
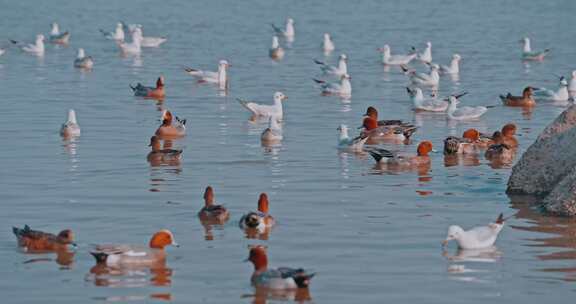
x: 72, y: 116
x: 343, y: 130
x: 39, y: 38
x: 456, y: 57
x: 81, y: 53
x: 55, y: 28
x: 326, y: 36
x: 574, y: 74
x: 279, y: 96
x: 563, y: 81
x: 454, y: 233
x: 223, y: 63
x: 429, y: 44
x: 346, y: 76
x: 275, y: 43
x: 290, y: 21
x: 343, y: 57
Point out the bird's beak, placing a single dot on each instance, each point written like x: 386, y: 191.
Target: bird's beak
x: 246, y: 260
x: 285, y: 97
x: 434, y: 151
x: 444, y: 243
x: 175, y: 244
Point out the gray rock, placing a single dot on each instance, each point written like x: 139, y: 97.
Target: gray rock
x: 548, y: 167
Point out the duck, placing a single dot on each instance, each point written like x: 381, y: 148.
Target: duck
x: 171, y: 128
x: 265, y: 111
x: 471, y: 142
x: 220, y: 77
x: 353, y: 144
x: 562, y: 94
x: 430, y: 104
x: 134, y: 47
x: 499, y: 151
x: 157, y: 92
x: 387, y: 157
x: 36, y: 48
x: 288, y: 33
x: 56, y: 37
x: 70, y: 128
x: 327, y: 44
x: 508, y: 131
x: 463, y: 113
x: 526, y: 100
x: 82, y: 61
x: 476, y: 238
x: 39, y: 241
x: 426, y: 55
x: 116, y: 35
x: 338, y: 71
x: 259, y: 220
x: 389, y: 59
x: 342, y: 89
x: 276, y: 52
x: 162, y: 155
x: 386, y: 129
x: 423, y: 79
x: 453, y: 68
x: 130, y: 255
x: 528, y: 54
x: 272, y: 134
x: 211, y: 212
x: 283, y: 278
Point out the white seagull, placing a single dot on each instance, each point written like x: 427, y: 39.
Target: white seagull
x: 147, y: 41
x: 287, y: 33
x: 267, y: 111
x: 572, y: 85
x: 82, y: 61
x: 561, y: 94
x: 117, y: 34
x: 273, y: 133
x: 37, y: 48
x: 453, y: 68
x: 343, y: 88
x: 423, y: 79
x: 327, y: 44
x: 134, y: 47
x: 2, y: 51
x: 339, y: 70
x: 426, y: 55
x: 477, y: 237
x: 57, y: 37
x: 528, y: 54
x: 430, y: 104
x: 463, y: 113
x: 220, y: 77
x: 352, y: 144
x: 389, y: 59
x: 70, y: 128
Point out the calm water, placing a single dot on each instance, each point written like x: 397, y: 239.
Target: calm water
x: 370, y: 235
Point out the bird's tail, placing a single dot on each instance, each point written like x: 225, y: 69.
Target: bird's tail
x: 99, y: 256
x: 303, y: 280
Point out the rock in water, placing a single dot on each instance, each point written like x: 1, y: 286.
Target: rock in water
x: 548, y: 167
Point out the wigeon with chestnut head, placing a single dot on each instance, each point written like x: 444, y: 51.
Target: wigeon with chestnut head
x: 508, y: 138
x: 157, y: 92
x: 212, y: 213
x: 160, y: 155
x: 129, y: 255
x: 526, y: 100
x: 38, y: 241
x: 171, y: 128
x: 283, y: 278
x: 386, y: 129
x: 259, y: 220
x: 383, y: 156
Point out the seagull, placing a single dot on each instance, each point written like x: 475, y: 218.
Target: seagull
x: 561, y: 94
x: 134, y: 47
x: 343, y: 89
x: 147, y: 41
x: 117, y: 35
x: 464, y: 113
x: 220, y: 77
x: 276, y: 51
x: 453, y: 68
x: 339, y: 70
x: 426, y: 55
x: 353, y: 144
x: 389, y: 59
x: 57, y: 37
x: 36, y: 49
x: 424, y: 79
x: 477, y: 237
x: 82, y: 61
x: 327, y: 44
x: 273, y: 133
x: 430, y: 104
x: 70, y: 128
x: 528, y: 54
x: 572, y: 85
x: 267, y: 111
x: 288, y: 33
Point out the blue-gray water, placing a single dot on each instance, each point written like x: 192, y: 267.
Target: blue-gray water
x: 369, y: 236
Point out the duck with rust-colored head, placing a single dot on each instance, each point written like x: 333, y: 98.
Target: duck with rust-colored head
x: 157, y: 92
x: 404, y: 161
x: 259, y: 220
x: 386, y: 129
x: 526, y: 100
x: 282, y: 278
x: 39, y: 241
x: 171, y: 128
x: 508, y: 138
x: 129, y: 255
x: 212, y: 212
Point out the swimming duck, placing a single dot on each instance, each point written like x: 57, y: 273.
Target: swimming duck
x: 266, y: 111
x: 528, y: 54
x: 339, y: 71
x: 162, y: 155
x: 57, y: 37
x: 143, y: 91
x: 353, y: 144
x: 276, y: 279
x: 327, y: 44
x: 128, y: 255
x: 117, y: 35
x: 38, y: 241
x: 276, y: 52
x: 259, y: 220
x: 220, y: 77
x: 212, y: 213
x: 171, y: 128
x: 272, y: 134
x: 508, y: 138
x: 477, y: 237
x: 386, y: 129
x: 525, y: 100
x: 82, y: 61
x: 383, y: 156
x: 70, y: 128
x: 388, y: 59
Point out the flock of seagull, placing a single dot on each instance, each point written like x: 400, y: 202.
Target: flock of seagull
x: 499, y: 146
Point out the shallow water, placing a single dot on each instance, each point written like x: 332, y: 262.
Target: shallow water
x: 370, y: 235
